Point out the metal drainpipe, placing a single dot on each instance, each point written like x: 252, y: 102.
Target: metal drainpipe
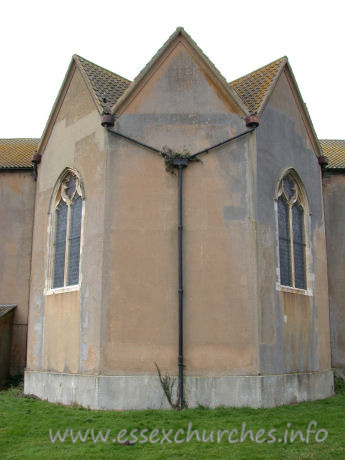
x: 181, y: 163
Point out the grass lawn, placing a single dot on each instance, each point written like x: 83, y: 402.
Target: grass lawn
x: 25, y: 424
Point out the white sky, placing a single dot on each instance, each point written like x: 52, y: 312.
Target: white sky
x: 38, y: 39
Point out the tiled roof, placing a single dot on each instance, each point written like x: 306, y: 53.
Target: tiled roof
x: 254, y: 87
x: 334, y: 150
x: 106, y: 86
x: 4, y: 309
x: 17, y: 153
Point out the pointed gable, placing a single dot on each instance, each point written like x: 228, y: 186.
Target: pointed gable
x: 246, y: 95
x: 104, y: 87
x: 285, y: 96
x: 188, y: 60
x: 257, y: 88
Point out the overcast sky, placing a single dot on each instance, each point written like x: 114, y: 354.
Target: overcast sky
x: 38, y: 39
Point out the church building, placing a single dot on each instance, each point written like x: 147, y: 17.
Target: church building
x: 175, y: 228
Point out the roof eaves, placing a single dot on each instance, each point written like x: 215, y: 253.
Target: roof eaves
x: 56, y: 106
x: 87, y: 82
x: 272, y: 85
x: 16, y: 168
x: 305, y: 111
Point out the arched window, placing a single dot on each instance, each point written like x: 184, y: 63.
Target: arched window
x: 66, y: 231
x: 292, y: 233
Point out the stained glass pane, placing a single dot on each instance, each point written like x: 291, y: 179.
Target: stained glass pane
x: 74, y: 241
x: 299, y: 245
x: 70, y: 186
x: 60, y: 244
x: 284, y: 243
x: 289, y: 187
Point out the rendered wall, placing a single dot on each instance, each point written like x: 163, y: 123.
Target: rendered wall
x: 17, y: 198
x: 179, y: 107
x: 334, y: 203
x: 294, y: 328
x: 64, y: 332
x: 125, y: 316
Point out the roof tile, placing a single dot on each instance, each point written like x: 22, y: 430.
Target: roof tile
x: 334, y: 150
x: 254, y: 87
x: 4, y: 309
x: 17, y: 153
x: 106, y: 86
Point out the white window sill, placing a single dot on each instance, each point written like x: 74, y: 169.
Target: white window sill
x: 62, y: 290
x: 293, y: 290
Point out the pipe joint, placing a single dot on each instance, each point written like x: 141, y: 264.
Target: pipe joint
x: 36, y: 160
x: 107, y: 120
x: 252, y: 121
x: 180, y: 162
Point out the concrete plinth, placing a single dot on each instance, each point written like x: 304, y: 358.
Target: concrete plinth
x: 145, y: 392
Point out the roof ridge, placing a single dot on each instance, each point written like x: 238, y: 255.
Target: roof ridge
x: 340, y: 140
x: 283, y: 58
x: 100, y: 67
x: 20, y: 138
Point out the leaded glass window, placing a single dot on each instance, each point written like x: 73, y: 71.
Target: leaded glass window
x: 67, y: 233
x: 291, y: 229
x: 60, y: 243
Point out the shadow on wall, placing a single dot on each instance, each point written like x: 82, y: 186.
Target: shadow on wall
x: 6, y: 321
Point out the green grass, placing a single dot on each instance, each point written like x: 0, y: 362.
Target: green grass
x: 25, y: 424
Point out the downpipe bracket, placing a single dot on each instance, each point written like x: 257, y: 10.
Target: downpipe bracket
x: 180, y: 162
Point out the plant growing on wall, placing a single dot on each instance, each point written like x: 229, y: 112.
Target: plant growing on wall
x: 170, y: 155
x: 168, y: 384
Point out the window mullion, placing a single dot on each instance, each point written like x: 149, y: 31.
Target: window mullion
x: 51, y: 266
x: 67, y: 242
x: 292, y: 255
